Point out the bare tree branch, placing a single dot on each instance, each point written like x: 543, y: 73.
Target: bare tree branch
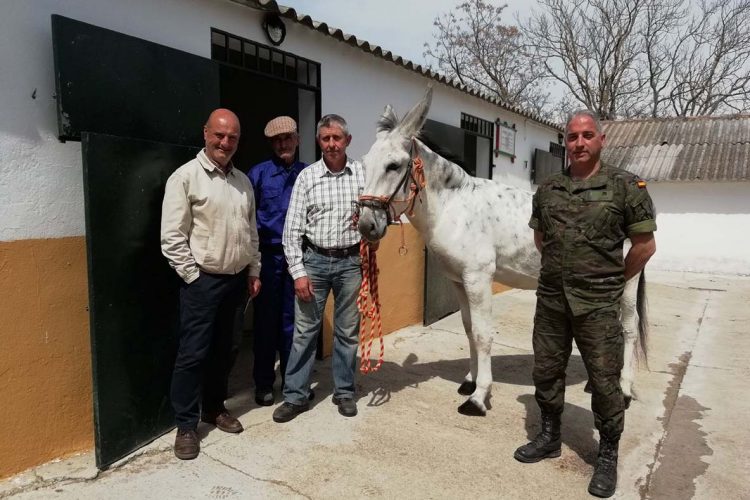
x: 473, y: 46
x: 618, y: 58
x: 716, y: 77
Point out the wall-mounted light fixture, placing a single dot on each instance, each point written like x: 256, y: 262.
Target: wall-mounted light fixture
x: 274, y: 28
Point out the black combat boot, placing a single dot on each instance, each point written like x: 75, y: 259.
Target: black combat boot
x: 604, y: 481
x: 546, y: 444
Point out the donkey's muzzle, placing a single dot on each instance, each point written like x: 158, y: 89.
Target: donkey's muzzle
x: 373, y: 221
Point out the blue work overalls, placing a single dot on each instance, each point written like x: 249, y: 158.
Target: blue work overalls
x: 273, y: 308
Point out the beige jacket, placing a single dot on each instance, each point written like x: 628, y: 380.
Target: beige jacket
x: 208, y: 221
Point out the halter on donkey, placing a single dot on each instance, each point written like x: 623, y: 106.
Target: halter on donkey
x: 478, y: 231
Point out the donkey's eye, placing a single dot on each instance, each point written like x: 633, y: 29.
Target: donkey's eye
x: 392, y: 167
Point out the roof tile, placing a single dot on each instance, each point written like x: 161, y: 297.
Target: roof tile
x: 706, y: 148
x: 364, y: 45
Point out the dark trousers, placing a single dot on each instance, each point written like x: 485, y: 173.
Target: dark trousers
x: 273, y: 319
x: 599, y: 338
x: 201, y: 370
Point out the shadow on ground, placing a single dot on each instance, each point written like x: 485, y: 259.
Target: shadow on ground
x: 376, y: 389
x: 577, y: 427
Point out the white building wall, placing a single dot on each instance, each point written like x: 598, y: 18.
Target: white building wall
x: 41, y: 189
x: 702, y: 227
x: 357, y: 86
x: 41, y: 184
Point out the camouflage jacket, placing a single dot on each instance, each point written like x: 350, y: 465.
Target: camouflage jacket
x: 584, y: 225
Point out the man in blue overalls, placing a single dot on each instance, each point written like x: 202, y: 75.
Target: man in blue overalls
x: 273, y: 308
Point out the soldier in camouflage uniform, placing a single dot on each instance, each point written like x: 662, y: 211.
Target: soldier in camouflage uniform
x: 580, y: 219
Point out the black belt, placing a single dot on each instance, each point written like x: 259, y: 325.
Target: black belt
x: 334, y: 252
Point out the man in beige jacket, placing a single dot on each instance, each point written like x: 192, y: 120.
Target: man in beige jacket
x: 209, y: 236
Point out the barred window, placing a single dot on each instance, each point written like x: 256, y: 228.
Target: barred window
x: 476, y: 125
x: 259, y: 58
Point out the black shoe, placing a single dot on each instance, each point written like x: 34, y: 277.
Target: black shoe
x: 288, y: 411
x: 264, y: 397
x: 604, y: 481
x: 347, y: 406
x: 186, y: 444
x: 546, y: 444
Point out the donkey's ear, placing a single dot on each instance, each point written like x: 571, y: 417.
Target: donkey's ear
x: 388, y: 120
x: 415, y: 118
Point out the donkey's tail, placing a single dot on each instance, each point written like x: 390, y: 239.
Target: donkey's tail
x: 641, y: 308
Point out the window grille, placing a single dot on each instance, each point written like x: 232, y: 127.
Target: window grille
x: 557, y: 150
x: 476, y: 125
x: 256, y: 57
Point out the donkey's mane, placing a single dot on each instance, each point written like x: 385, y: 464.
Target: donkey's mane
x: 387, y: 121
x: 452, y: 176
x: 439, y: 150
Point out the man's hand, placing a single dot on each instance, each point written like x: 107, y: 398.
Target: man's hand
x: 644, y: 246
x: 538, y: 238
x: 253, y: 286
x: 303, y: 289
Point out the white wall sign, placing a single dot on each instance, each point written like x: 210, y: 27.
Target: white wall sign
x: 505, y: 139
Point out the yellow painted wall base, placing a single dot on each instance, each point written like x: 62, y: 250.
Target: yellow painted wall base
x: 400, y: 283
x: 45, y: 359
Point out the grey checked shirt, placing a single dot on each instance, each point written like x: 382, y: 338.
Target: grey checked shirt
x: 321, y: 209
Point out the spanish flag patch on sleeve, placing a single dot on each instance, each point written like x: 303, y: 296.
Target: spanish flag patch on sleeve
x: 640, y: 183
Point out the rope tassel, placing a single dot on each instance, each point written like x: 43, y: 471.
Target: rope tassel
x: 368, y: 304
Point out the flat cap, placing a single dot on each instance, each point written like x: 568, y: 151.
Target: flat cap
x: 280, y: 125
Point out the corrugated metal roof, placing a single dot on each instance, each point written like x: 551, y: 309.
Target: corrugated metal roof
x: 377, y: 51
x: 706, y: 148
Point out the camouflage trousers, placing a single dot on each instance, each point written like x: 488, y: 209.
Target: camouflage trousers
x: 599, y: 338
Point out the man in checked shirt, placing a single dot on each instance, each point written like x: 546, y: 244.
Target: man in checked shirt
x: 321, y: 245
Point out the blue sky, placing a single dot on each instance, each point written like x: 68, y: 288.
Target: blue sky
x: 401, y: 26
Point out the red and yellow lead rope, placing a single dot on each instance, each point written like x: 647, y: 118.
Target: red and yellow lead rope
x: 368, y: 303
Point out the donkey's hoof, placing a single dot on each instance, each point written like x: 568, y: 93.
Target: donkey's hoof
x: 628, y: 399
x: 467, y: 388
x: 471, y: 409
x: 587, y: 388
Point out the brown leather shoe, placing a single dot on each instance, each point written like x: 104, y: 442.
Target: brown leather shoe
x: 223, y: 421
x: 186, y: 444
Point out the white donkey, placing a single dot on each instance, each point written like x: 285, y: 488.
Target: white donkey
x: 477, y: 229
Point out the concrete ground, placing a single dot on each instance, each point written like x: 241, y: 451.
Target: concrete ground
x: 685, y: 437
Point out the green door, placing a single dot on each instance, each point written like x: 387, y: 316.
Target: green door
x: 116, y: 93
x: 133, y: 293
x: 138, y: 108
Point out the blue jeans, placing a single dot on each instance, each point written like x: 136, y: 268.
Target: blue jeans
x: 344, y: 277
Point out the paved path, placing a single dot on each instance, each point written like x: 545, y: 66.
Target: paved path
x: 686, y: 436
